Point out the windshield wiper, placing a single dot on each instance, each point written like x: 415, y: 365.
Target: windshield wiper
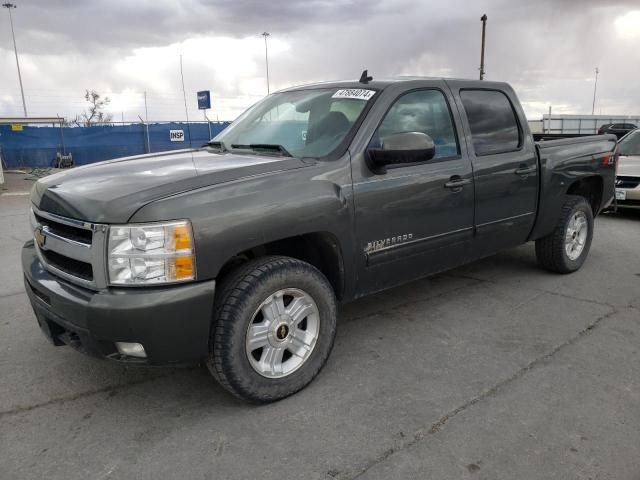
x: 264, y: 148
x: 219, y: 144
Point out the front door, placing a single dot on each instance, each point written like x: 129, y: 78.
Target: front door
x: 414, y: 219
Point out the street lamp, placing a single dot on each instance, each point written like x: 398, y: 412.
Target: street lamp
x: 266, y: 57
x: 10, y: 6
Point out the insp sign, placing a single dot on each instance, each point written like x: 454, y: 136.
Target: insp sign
x: 176, y: 135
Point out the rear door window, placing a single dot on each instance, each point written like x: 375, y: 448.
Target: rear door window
x: 492, y: 120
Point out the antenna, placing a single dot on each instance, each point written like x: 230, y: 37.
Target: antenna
x: 483, y: 19
x: 365, y: 78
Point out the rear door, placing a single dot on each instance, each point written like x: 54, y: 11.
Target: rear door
x: 505, y: 165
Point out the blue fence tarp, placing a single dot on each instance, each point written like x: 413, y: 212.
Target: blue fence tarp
x: 37, y: 146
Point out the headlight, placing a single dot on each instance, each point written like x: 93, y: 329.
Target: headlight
x: 152, y: 253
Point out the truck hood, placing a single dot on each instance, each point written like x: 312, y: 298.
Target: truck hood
x: 629, y: 166
x: 112, y: 191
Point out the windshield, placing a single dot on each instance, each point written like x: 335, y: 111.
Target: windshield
x: 302, y: 123
x: 630, y: 145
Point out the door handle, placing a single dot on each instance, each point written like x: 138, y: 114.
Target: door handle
x: 523, y: 170
x: 456, y: 183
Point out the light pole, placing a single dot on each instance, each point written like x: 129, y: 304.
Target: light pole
x: 10, y: 6
x: 266, y: 57
x: 184, y: 97
x: 595, y: 86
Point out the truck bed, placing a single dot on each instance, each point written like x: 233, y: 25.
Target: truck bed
x: 546, y: 140
x: 554, y: 136
x: 564, y: 160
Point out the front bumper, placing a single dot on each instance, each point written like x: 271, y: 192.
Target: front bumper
x: 632, y: 196
x: 172, y: 323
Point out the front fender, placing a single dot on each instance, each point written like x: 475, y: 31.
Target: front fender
x: 237, y: 216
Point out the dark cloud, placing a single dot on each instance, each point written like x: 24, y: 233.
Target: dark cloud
x: 93, y: 26
x: 547, y: 49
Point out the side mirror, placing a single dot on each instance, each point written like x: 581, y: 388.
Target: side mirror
x: 402, y: 148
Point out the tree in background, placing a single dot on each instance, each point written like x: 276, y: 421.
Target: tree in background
x: 94, y: 114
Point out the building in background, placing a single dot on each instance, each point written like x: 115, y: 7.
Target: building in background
x: 578, y: 124
x: 535, y: 126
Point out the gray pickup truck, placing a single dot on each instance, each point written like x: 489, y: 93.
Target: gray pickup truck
x: 237, y: 253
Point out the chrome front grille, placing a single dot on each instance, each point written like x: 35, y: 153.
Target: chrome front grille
x: 71, y: 249
x: 75, y: 233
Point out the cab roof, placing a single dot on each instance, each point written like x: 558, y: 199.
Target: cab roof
x: 382, y: 83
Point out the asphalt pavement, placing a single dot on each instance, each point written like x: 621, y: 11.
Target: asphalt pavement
x: 495, y: 370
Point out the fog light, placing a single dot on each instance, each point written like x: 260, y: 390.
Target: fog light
x: 131, y: 349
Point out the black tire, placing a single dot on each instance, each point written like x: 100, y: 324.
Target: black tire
x: 550, y: 250
x: 239, y: 296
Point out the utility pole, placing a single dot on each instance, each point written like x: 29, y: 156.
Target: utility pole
x: 483, y: 18
x: 595, y: 86
x: 184, y: 96
x: 208, y: 123
x: 266, y: 57
x: 10, y: 6
x: 146, y: 120
x: 146, y: 112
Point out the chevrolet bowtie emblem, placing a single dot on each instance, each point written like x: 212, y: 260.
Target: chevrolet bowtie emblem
x: 40, y: 237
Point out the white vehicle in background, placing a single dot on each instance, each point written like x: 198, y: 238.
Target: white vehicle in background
x: 628, y: 175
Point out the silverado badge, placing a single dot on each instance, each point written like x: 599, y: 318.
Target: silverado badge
x: 376, y: 245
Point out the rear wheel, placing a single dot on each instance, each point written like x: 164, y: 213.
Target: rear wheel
x: 273, y: 328
x: 566, y: 248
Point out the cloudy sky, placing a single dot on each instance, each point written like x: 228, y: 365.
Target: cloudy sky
x: 547, y: 49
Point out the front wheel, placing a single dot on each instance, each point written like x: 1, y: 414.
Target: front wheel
x: 566, y: 248
x: 273, y: 328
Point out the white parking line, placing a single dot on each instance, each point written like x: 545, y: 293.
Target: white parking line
x: 13, y: 194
